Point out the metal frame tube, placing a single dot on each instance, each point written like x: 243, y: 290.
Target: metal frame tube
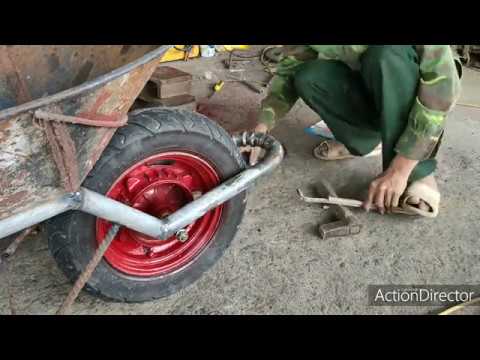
x: 103, y: 207
x: 116, y: 212
x: 30, y: 217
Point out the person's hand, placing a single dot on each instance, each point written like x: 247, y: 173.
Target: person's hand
x: 255, y: 152
x: 384, y: 192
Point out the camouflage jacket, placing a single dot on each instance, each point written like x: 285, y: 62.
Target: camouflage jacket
x: 438, y: 91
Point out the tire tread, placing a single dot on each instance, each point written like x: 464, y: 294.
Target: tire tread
x: 142, y: 124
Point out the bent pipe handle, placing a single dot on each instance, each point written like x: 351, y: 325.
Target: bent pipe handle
x: 232, y: 187
x: 122, y: 214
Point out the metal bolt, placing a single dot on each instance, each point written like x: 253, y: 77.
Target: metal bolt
x: 182, y: 235
x: 196, y: 194
x: 76, y: 198
x: 148, y: 251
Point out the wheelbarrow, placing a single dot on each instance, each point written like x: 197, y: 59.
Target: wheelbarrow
x: 73, y: 158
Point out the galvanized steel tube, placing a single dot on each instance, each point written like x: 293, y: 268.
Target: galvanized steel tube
x: 103, y: 207
x: 30, y: 217
x: 116, y: 212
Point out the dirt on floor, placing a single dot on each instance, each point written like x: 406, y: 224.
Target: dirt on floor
x: 277, y: 264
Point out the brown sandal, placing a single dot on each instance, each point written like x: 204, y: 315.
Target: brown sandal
x: 323, y: 151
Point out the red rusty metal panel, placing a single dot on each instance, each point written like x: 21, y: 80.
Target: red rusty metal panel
x: 26, y: 165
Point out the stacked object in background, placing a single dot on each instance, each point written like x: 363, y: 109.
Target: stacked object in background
x: 169, y: 87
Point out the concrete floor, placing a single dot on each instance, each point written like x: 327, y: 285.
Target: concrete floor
x: 277, y: 264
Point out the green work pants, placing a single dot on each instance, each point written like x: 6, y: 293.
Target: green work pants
x: 366, y: 107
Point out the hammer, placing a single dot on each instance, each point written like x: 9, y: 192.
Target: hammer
x: 345, y: 223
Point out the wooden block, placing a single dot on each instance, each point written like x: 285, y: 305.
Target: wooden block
x: 171, y: 82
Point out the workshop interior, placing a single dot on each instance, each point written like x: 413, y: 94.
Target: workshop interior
x: 127, y: 183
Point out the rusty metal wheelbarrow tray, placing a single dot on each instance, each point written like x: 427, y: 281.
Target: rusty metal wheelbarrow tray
x: 50, y: 143
x: 40, y: 160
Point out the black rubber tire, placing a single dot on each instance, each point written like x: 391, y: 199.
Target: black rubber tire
x: 71, y: 237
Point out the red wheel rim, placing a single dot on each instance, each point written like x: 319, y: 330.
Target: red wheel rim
x: 160, y: 185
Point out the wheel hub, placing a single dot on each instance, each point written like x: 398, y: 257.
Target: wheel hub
x: 159, y: 186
